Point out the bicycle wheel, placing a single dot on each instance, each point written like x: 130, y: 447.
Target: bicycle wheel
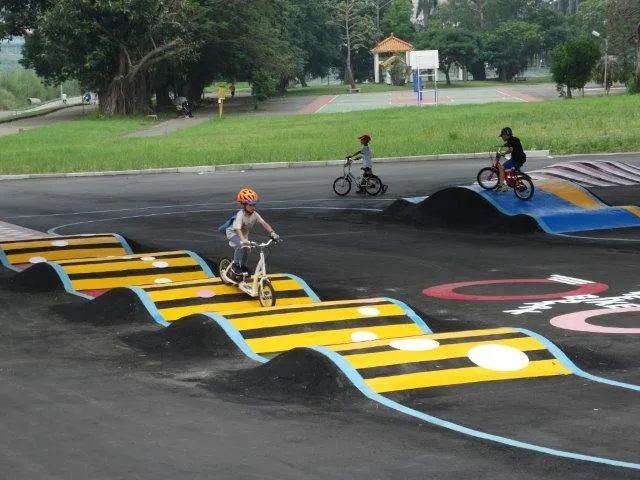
x: 488, y: 178
x: 523, y: 188
x: 223, y: 267
x: 342, y: 186
x: 373, y: 185
x: 266, y: 293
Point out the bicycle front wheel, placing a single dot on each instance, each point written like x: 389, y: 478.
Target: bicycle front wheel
x: 373, y: 185
x: 523, y: 188
x: 223, y: 268
x: 342, y: 186
x: 488, y: 178
x: 266, y: 293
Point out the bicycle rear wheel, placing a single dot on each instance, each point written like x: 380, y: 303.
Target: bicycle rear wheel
x: 373, y: 185
x: 523, y: 188
x: 342, y: 186
x: 488, y: 178
x: 266, y: 293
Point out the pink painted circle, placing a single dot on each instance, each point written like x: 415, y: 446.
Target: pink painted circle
x: 578, y: 321
x: 448, y: 290
x: 205, y: 293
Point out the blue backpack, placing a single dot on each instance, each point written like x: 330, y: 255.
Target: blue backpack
x: 223, y: 228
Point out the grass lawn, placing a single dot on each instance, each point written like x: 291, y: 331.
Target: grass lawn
x: 600, y: 124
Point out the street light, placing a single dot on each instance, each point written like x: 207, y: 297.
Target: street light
x: 606, y: 59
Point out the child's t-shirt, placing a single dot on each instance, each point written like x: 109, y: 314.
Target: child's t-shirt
x: 244, y: 223
x: 366, y: 156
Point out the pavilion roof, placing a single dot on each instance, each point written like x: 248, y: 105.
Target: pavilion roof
x: 392, y: 44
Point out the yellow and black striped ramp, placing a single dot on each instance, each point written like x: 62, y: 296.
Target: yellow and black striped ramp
x: 170, y: 302
x: 20, y: 254
x: 93, y: 276
x: 276, y: 329
x: 443, y: 359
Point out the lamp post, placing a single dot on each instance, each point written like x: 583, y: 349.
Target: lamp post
x: 606, y: 59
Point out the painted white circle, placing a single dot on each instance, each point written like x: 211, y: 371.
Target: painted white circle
x: 37, y: 260
x: 369, y: 311
x: 162, y: 280
x: 500, y: 358
x: 414, y: 344
x: 147, y: 259
x: 59, y: 243
x: 160, y: 264
x: 205, y: 293
x: 363, y: 336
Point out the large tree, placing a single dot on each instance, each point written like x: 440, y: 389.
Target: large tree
x: 572, y: 63
x: 509, y: 47
x: 18, y: 16
x: 358, y: 31
x: 623, y: 22
x: 397, y: 20
x: 456, y: 46
x: 111, y: 46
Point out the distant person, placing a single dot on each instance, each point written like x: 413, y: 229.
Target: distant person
x: 518, y: 157
x: 232, y: 89
x: 365, y: 154
x: 86, y: 97
x: 237, y: 229
x: 64, y: 98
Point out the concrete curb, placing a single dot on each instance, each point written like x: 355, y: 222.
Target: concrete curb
x: 263, y: 166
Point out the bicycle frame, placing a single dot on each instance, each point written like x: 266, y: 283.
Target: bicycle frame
x: 260, y: 272
x: 346, y: 172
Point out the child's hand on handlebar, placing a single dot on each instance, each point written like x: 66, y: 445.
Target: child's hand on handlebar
x: 274, y: 236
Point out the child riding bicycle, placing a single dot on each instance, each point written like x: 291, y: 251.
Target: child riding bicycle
x: 365, y: 154
x: 237, y: 229
x: 518, y: 157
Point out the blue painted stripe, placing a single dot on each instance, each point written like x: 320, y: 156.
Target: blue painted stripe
x: 149, y: 305
x: 572, y: 366
x: 124, y: 243
x: 359, y: 383
x: 235, y: 336
x: 411, y: 314
x: 202, y: 263
x: 5, y: 261
x: 66, y: 281
x: 305, y: 286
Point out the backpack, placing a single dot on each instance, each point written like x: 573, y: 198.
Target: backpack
x: 223, y: 228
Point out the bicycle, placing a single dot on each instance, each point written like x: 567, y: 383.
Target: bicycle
x: 260, y: 286
x: 520, y: 182
x: 371, y: 183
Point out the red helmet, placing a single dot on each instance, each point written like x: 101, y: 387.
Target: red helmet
x: 247, y: 196
x: 365, y: 136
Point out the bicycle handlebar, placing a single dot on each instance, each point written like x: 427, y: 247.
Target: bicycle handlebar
x: 253, y: 244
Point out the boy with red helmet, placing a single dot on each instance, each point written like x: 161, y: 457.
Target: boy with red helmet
x: 365, y: 154
x: 239, y: 227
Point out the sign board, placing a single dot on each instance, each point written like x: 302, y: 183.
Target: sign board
x: 424, y: 60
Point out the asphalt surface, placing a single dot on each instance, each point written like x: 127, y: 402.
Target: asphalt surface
x: 80, y: 401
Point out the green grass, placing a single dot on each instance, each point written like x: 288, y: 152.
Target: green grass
x: 602, y: 124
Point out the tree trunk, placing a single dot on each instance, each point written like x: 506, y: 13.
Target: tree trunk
x: 446, y: 74
x: 303, y: 81
x: 569, y: 92
x: 348, y: 72
x: 125, y: 95
x: 478, y: 71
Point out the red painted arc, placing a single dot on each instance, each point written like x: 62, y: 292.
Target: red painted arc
x: 448, y: 291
